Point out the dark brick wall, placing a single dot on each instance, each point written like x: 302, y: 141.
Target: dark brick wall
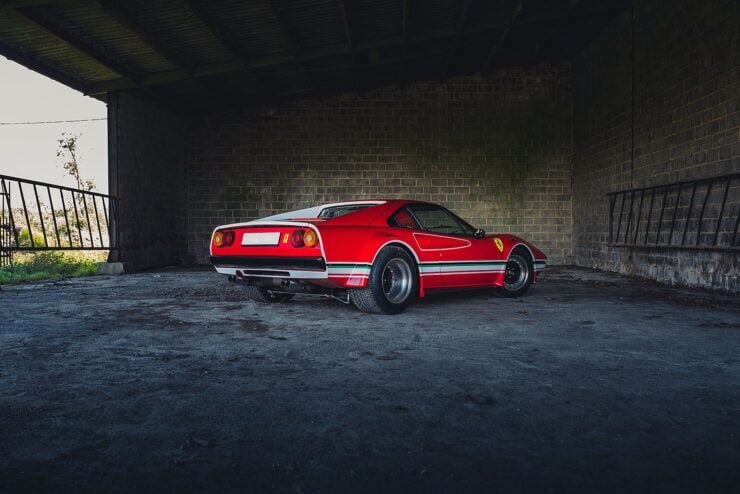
x: 498, y: 151
x: 147, y: 169
x: 528, y: 151
x: 686, y: 126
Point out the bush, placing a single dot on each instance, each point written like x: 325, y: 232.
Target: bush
x: 24, y: 239
x: 48, y: 266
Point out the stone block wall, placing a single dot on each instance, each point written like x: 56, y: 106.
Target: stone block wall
x: 148, y: 172
x: 669, y: 114
x: 653, y: 99
x: 496, y: 150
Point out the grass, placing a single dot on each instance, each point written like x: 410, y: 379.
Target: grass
x: 50, y: 266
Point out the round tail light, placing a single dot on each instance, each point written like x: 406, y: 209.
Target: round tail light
x: 310, y: 238
x: 296, y: 238
x: 223, y: 239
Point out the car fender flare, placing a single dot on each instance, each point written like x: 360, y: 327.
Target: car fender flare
x: 402, y: 243
x: 513, y: 247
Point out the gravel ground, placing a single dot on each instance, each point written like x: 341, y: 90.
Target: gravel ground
x: 171, y: 381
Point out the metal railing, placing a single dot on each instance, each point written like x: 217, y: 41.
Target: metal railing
x: 697, y: 214
x: 6, y: 231
x: 41, y: 216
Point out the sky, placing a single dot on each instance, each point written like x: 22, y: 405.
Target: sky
x: 30, y: 151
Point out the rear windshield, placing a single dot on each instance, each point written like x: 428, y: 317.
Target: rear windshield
x: 337, y: 211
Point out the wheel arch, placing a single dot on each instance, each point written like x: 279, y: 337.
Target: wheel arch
x: 403, y: 245
x: 520, y: 247
x: 398, y: 243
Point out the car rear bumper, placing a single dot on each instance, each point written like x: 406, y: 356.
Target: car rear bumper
x: 252, y: 262
x: 306, y: 268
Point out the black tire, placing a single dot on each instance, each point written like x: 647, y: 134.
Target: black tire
x: 262, y: 294
x: 393, y: 283
x: 519, y: 275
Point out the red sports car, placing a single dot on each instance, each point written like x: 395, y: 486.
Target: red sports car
x: 378, y: 255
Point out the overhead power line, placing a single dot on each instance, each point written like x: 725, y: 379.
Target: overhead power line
x: 54, y: 121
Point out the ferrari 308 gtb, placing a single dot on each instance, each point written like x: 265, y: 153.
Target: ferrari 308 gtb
x: 377, y: 255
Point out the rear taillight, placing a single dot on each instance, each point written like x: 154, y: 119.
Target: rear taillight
x: 223, y: 239
x: 310, y: 238
x: 299, y: 238
x: 296, y: 238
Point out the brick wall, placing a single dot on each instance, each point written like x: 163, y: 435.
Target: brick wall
x: 147, y: 165
x: 497, y: 151
x: 686, y: 126
x: 529, y: 151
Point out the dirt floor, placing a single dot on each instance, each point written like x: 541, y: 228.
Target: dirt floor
x: 171, y: 381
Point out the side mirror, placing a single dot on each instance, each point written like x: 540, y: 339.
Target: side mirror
x: 479, y: 233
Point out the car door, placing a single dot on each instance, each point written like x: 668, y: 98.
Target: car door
x: 449, y: 244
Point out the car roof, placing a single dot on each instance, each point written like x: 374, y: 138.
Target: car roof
x: 314, y: 212
x: 376, y: 215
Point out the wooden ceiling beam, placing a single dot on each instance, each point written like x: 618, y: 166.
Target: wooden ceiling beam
x: 462, y: 20
x: 241, y: 59
x: 229, y: 67
x: 272, y: 61
x: 294, y: 47
x: 348, y: 34
x: 199, y: 11
x: 43, y: 68
x: 17, y: 4
x: 126, y: 20
x: 496, y: 47
x: 405, y: 35
x: 345, y: 24
x: 33, y: 16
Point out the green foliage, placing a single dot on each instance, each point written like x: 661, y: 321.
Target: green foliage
x: 48, y: 266
x: 24, y: 239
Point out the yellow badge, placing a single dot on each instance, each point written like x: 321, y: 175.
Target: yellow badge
x: 285, y: 238
x: 499, y: 244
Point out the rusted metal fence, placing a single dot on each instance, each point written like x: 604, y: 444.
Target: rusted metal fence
x: 698, y: 214
x: 5, y: 228
x: 37, y: 216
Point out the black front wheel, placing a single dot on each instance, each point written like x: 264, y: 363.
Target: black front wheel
x: 518, y: 276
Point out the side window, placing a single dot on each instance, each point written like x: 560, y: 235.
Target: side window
x: 439, y: 220
x: 403, y: 219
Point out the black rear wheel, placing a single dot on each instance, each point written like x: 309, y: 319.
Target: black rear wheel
x: 262, y: 294
x: 392, y: 285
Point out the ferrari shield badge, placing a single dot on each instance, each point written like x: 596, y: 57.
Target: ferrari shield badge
x: 499, y: 244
